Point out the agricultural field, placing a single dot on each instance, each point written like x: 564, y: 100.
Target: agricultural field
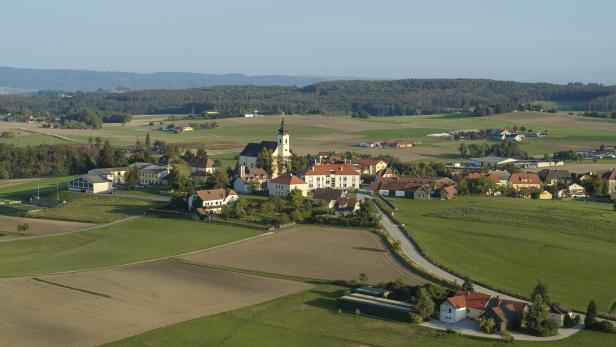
x: 137, y: 239
x: 94, y: 307
x: 311, y: 318
x: 37, y: 227
x: 511, y: 244
x: 312, y: 252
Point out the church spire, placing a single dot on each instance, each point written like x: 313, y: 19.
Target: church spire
x: 282, y: 130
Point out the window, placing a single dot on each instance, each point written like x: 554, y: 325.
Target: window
x: 449, y: 310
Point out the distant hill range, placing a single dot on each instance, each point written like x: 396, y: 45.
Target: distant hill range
x: 21, y: 81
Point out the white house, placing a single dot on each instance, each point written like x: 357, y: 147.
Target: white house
x: 151, y: 173
x: 213, y: 200
x: 464, y: 305
x: 574, y: 191
x: 284, y: 184
x: 90, y: 183
x: 251, y: 181
x: 337, y: 176
x: 113, y: 174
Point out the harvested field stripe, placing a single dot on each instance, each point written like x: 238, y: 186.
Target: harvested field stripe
x: 72, y: 288
x: 252, y: 272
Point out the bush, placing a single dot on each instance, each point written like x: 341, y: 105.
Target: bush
x: 416, y: 319
x: 487, y: 325
x: 604, y: 326
x: 507, y: 336
x: 571, y: 322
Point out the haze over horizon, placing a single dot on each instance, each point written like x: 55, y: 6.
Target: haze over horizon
x: 552, y: 41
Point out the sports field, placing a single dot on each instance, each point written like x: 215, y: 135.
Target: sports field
x: 94, y: 307
x: 513, y: 243
x: 310, y: 318
x: 138, y: 239
x: 313, y: 252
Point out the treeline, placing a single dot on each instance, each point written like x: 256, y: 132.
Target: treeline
x: 57, y: 159
x: 362, y: 98
x: 500, y: 149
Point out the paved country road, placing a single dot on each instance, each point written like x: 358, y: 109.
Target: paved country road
x: 409, y: 249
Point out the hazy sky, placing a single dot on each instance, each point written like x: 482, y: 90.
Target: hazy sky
x: 555, y: 40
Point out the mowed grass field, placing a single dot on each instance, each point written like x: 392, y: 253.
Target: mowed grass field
x: 141, y: 238
x: 91, y: 208
x: 511, y: 244
x: 311, y: 318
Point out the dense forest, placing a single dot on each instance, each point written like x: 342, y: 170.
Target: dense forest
x: 399, y: 97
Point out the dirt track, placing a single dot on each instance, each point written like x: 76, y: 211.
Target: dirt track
x: 123, y: 302
x: 313, y: 252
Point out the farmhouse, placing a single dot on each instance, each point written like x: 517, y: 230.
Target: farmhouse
x: 346, y: 205
x: 337, y: 176
x: 507, y: 314
x: 90, y: 183
x: 448, y: 193
x: 113, y: 174
x: 401, y: 188
x: 463, y: 305
x: 212, y: 201
x: 371, y: 166
x: 327, y: 196
x: 150, y: 174
x: 528, y: 180
x: 284, y: 184
x: 251, y: 181
x: 386, y: 173
x: 199, y: 164
x: 370, y: 144
x: 398, y: 143
x: 553, y: 177
x: 574, y: 191
x: 499, y: 177
x: 280, y: 152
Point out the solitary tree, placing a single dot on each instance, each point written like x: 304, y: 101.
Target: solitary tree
x: 23, y: 227
x: 467, y: 286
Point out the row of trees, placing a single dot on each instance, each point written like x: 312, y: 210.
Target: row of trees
x: 57, y: 159
x: 362, y: 98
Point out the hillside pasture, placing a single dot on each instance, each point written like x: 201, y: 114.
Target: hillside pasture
x: 511, y: 244
x: 312, y: 252
x: 94, y: 307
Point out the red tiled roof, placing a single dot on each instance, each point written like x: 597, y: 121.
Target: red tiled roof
x: 328, y: 169
x: 367, y: 162
x: 472, y: 299
x: 457, y: 301
x: 524, y: 178
x: 450, y: 190
x: 215, y: 194
x: 288, y: 179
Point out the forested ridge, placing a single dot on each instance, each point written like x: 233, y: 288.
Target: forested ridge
x: 399, y: 97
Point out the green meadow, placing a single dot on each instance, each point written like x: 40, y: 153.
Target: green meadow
x: 511, y: 244
x: 311, y: 318
x: 129, y: 241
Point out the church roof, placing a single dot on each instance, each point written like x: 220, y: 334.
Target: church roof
x: 252, y: 149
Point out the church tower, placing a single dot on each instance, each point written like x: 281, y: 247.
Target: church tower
x: 284, y: 145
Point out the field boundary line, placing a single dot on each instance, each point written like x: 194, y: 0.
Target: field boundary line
x: 52, y: 135
x: 72, y: 288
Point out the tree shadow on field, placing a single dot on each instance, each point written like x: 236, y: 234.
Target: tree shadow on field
x: 371, y: 249
x: 323, y: 303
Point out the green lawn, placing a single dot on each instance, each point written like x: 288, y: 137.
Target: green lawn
x: 311, y: 319
x: 28, y: 189
x: 92, y: 208
x: 513, y: 243
x: 129, y: 241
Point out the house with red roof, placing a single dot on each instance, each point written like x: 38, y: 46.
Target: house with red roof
x: 527, y: 180
x: 337, y: 176
x: 284, y: 184
x: 371, y: 166
x: 209, y: 201
x: 464, y: 305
